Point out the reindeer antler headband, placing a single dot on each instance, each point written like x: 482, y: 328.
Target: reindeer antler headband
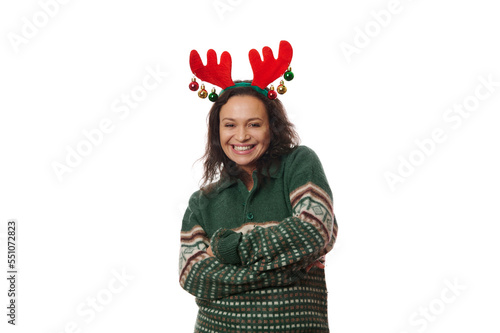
x: 264, y: 71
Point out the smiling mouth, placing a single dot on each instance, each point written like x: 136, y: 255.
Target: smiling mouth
x: 243, y: 148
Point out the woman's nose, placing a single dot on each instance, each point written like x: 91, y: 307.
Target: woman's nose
x: 242, y: 134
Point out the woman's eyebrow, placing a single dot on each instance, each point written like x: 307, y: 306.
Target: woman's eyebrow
x: 251, y: 119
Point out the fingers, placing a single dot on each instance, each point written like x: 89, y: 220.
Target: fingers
x: 209, y: 251
x: 319, y: 265
x: 315, y: 264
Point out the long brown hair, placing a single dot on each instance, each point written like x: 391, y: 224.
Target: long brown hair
x: 284, y: 139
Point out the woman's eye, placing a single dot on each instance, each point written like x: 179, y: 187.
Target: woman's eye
x: 254, y: 125
x: 228, y: 125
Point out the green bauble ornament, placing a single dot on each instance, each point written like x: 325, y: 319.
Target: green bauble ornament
x: 213, y: 96
x: 288, y: 74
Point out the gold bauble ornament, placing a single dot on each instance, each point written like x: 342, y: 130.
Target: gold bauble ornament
x: 281, y: 88
x: 202, y: 93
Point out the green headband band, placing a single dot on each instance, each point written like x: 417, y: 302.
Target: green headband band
x: 246, y: 84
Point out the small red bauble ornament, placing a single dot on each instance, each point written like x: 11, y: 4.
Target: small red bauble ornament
x: 193, y: 85
x: 272, y: 94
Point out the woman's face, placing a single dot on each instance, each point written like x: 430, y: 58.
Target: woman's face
x: 244, y: 130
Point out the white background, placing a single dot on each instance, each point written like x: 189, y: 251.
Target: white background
x: 119, y: 210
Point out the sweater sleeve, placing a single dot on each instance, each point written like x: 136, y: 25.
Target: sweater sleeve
x: 300, y: 239
x: 207, y: 277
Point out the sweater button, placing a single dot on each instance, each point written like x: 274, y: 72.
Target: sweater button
x: 250, y: 216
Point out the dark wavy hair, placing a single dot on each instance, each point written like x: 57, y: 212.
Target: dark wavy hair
x: 284, y: 139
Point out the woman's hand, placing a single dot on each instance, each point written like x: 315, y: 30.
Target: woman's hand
x: 317, y: 263
x: 209, y: 252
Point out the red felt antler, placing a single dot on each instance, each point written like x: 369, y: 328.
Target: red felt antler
x: 267, y: 70
x: 218, y: 74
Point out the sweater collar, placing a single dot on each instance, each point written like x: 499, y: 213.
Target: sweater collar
x: 275, y: 171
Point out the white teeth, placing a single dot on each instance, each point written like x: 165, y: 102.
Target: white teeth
x: 242, y: 148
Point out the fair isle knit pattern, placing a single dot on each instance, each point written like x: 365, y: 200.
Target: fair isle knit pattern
x: 310, y: 203
x: 265, y: 243
x: 300, y: 307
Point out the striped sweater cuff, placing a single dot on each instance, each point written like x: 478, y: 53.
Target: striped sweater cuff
x: 224, y: 244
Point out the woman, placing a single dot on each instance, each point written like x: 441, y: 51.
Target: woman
x: 252, y: 242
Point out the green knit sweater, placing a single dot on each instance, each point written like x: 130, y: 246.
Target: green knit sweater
x: 264, y: 242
